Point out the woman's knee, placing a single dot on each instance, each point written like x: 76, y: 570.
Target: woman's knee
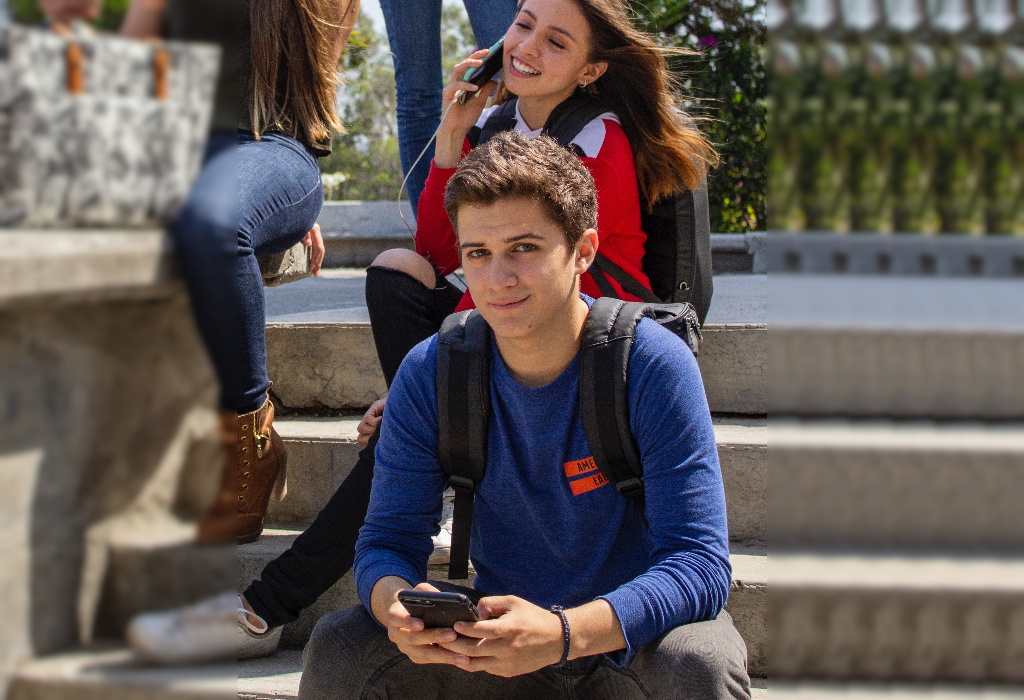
x: 409, y: 262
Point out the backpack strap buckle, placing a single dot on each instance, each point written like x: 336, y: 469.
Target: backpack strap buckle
x: 461, y: 483
x: 630, y: 488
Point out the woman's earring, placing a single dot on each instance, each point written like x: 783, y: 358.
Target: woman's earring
x: 583, y: 84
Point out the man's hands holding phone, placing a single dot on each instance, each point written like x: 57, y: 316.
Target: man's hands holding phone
x: 461, y: 117
x: 513, y: 638
x: 408, y: 633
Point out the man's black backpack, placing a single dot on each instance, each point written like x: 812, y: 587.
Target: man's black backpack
x: 464, y: 401
x: 677, y: 258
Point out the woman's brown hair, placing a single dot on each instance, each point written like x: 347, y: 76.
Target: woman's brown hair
x: 294, y: 76
x: 639, y: 89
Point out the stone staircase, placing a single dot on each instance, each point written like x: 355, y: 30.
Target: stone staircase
x: 897, y: 459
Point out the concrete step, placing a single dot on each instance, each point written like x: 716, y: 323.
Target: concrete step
x: 116, y: 674
x: 909, y: 348
x: 322, y: 452
x: 897, y: 618
x: 782, y: 690
x: 277, y: 678
x: 334, y: 366
x: 903, y: 485
x: 320, y: 350
x: 824, y: 253
x: 748, y: 598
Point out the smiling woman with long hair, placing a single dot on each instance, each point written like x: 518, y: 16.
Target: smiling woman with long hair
x: 643, y: 143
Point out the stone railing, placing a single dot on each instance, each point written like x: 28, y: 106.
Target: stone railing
x: 107, y: 401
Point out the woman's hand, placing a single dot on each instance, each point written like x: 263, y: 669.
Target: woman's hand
x: 461, y: 118
x: 316, y: 241
x: 370, y: 421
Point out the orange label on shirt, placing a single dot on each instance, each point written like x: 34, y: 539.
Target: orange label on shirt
x: 588, y: 483
x: 580, y: 466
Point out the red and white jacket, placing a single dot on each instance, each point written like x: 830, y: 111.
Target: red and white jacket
x: 608, y: 156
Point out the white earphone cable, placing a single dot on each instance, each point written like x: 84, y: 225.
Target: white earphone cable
x: 417, y: 161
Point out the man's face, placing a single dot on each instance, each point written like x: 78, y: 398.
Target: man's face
x: 518, y: 266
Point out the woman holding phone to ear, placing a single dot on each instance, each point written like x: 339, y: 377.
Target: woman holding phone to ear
x: 552, y: 50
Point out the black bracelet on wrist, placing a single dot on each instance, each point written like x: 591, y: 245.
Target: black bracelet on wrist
x: 557, y: 609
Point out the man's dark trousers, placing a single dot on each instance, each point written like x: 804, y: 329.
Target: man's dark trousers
x: 350, y: 657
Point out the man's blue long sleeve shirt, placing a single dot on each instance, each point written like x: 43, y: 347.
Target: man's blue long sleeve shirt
x: 546, y: 525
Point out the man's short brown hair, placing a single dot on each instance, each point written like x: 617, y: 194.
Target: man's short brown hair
x: 509, y: 165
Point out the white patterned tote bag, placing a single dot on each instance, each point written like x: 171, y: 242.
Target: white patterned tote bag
x: 99, y: 131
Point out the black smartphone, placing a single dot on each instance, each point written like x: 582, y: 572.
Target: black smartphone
x: 439, y: 609
x: 485, y: 72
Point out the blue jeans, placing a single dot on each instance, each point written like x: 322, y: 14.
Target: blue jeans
x: 252, y: 198
x: 204, y: 240
x: 279, y: 200
x: 414, y: 33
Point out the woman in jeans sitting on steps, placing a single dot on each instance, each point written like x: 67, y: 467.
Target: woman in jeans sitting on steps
x: 289, y: 53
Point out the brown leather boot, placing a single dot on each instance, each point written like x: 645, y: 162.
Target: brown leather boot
x: 262, y: 473
x: 220, y: 523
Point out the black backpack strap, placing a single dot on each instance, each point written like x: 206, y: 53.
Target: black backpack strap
x: 625, y: 280
x: 463, y: 410
x: 501, y: 119
x: 568, y: 118
x: 603, y: 393
x: 693, y: 252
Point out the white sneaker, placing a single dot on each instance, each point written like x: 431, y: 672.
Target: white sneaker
x: 255, y: 640
x: 197, y: 633
x: 443, y: 539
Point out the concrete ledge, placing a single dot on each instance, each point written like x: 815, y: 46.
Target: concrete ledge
x: 84, y: 264
x: 884, y: 485
x: 117, y: 674
x: 273, y: 678
x: 733, y: 364
x: 334, y: 365
x: 897, y: 618
x: 894, y: 372
x: 321, y: 454
x: 324, y: 365
x: 817, y: 690
x: 901, y: 254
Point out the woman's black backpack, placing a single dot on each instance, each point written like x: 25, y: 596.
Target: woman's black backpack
x: 677, y: 260
x: 464, y: 401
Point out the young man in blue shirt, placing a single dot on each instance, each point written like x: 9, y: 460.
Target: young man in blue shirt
x: 642, y: 601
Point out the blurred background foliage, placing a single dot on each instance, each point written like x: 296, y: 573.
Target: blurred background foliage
x: 111, y: 14
x: 726, y: 87
x: 897, y: 117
